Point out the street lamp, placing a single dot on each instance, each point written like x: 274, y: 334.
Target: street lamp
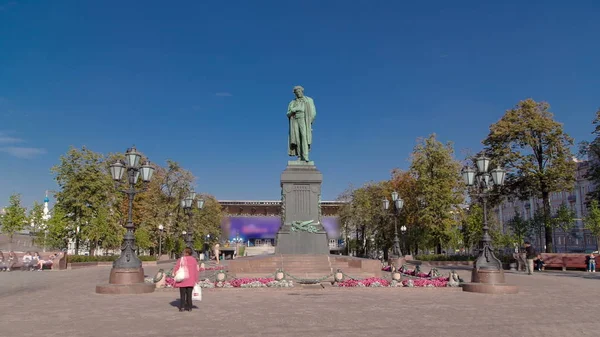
x: 403, y: 230
x: 487, y: 268
x: 127, y: 269
x: 398, y: 204
x: 187, y: 204
x: 161, y: 228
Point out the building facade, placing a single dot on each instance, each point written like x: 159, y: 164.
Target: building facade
x: 577, y: 240
x: 256, y: 223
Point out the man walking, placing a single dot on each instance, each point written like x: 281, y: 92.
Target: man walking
x: 531, y: 255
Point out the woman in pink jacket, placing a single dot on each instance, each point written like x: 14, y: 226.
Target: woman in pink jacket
x: 187, y: 285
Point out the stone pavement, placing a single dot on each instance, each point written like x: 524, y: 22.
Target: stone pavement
x: 63, y: 303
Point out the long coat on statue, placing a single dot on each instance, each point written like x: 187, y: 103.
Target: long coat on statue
x: 295, y: 138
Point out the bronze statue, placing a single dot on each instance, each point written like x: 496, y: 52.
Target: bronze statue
x: 301, y: 114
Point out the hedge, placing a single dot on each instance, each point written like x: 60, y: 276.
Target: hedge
x: 441, y: 257
x: 109, y: 258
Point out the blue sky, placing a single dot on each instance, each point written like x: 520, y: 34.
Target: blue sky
x: 207, y: 83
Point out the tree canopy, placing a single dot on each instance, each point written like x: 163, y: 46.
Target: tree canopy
x: 535, y: 150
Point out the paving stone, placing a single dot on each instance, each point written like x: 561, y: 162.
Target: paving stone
x: 63, y: 303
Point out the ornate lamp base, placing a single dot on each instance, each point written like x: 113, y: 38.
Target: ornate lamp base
x: 126, y: 281
x: 487, y: 275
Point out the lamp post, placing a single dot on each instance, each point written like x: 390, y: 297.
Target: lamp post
x: 127, y: 274
x: 187, y: 204
x: 398, y: 204
x: 487, y: 268
x: 403, y: 230
x: 161, y: 228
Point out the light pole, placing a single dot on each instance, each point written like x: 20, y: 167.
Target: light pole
x: 161, y: 228
x: 127, y: 274
x: 398, y: 204
x: 487, y: 268
x: 187, y: 204
x: 403, y: 230
x: 206, y: 248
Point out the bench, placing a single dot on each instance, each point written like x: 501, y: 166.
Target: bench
x: 58, y: 263
x: 565, y: 261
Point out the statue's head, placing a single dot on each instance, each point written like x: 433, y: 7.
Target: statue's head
x: 299, y: 91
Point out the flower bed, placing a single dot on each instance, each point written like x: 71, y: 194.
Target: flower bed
x: 371, y: 282
x: 263, y: 282
x: 211, y: 268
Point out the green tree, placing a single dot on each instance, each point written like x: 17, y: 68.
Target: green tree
x: 86, y: 190
x: 592, y: 151
x: 533, y: 147
x: 520, y: 228
x: 36, y: 220
x: 592, y: 220
x: 15, y: 217
x: 58, y: 231
x: 366, y: 218
x: 440, y: 187
x: 564, y: 219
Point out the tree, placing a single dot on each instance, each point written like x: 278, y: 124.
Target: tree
x: 405, y: 183
x: 520, y: 228
x: 592, y: 220
x: 592, y: 151
x: 86, y: 191
x: 15, y: 217
x: 564, y: 220
x: 534, y: 149
x: 58, y: 231
x: 36, y: 218
x: 366, y: 218
x: 440, y: 187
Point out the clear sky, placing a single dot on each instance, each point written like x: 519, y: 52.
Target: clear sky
x: 207, y: 83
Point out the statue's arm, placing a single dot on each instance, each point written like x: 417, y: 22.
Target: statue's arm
x: 314, y: 109
x: 289, y: 112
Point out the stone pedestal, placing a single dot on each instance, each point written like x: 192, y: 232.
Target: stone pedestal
x: 300, y: 196
x: 489, y: 281
x: 126, y: 281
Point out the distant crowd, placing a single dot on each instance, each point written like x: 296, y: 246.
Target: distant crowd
x: 29, y: 261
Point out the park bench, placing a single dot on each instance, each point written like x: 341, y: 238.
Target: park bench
x: 60, y: 262
x: 565, y: 261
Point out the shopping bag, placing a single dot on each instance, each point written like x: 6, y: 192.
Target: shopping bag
x: 182, y: 272
x: 197, y: 293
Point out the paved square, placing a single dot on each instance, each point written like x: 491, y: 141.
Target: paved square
x: 63, y: 303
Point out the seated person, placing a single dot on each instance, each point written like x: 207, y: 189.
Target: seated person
x: 11, y: 260
x: 539, y: 262
x: 3, y: 263
x: 38, y: 262
x: 28, y: 261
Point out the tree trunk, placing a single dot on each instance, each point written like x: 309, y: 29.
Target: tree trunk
x: 547, y: 224
x: 438, y: 249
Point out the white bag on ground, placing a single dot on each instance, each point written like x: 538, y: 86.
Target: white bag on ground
x: 197, y: 293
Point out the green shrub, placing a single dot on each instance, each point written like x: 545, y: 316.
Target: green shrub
x: 110, y: 258
x: 441, y: 257
x: 241, y: 250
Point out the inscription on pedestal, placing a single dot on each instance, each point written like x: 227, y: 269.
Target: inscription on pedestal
x: 300, y: 196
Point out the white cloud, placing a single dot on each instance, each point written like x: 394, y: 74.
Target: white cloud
x: 23, y: 152
x: 223, y: 94
x: 6, y: 139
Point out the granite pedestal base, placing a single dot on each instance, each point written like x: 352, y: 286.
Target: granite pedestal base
x: 302, y: 243
x: 126, y: 281
x: 489, y: 281
x: 300, y: 203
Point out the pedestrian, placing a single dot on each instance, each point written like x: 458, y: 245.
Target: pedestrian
x: 592, y: 263
x: 530, y: 255
x: 187, y: 284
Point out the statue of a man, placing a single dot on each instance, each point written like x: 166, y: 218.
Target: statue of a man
x: 301, y: 114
